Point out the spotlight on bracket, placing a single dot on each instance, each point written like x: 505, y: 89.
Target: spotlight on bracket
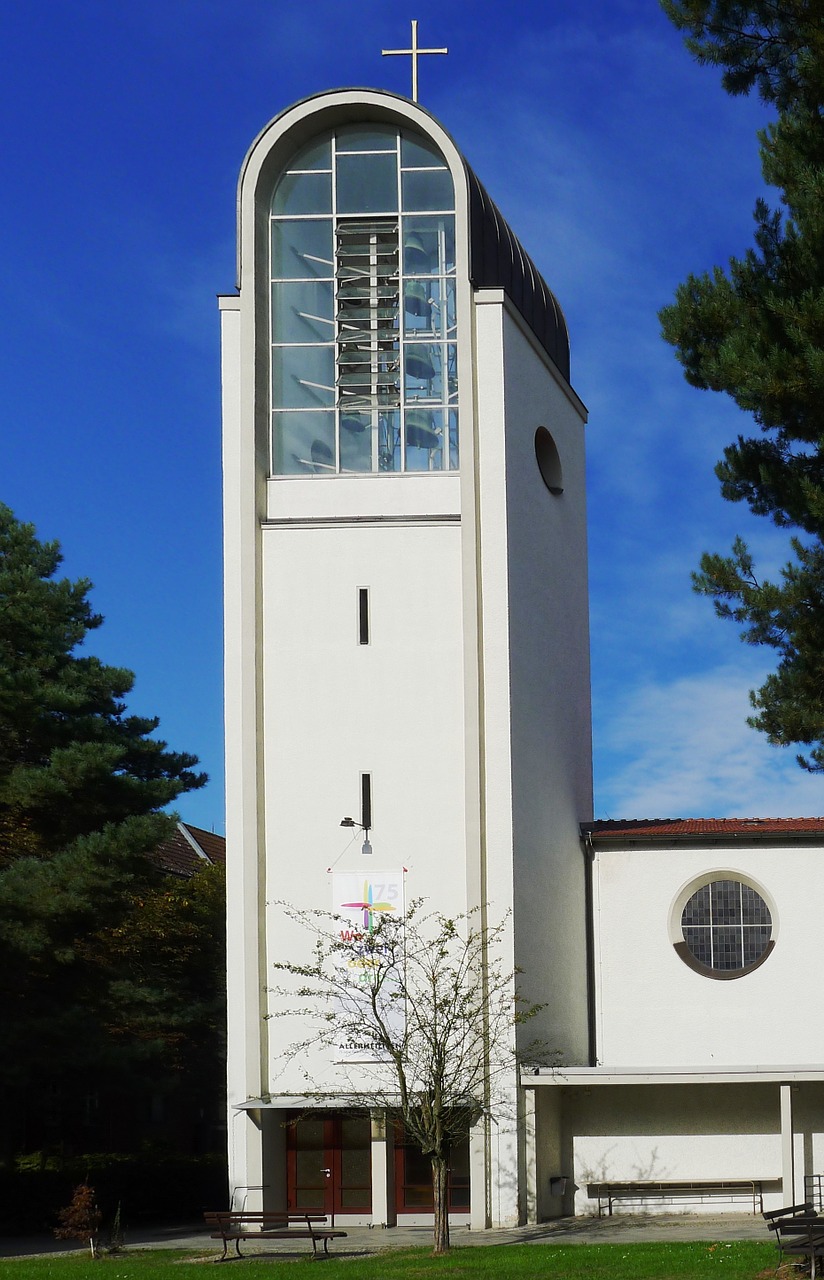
x: 366, y: 847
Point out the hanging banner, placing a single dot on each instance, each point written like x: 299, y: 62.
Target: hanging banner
x: 359, y: 900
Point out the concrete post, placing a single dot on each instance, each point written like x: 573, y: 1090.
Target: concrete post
x: 383, y: 1180
x: 530, y: 1157
x: 787, y: 1145
x: 479, y: 1209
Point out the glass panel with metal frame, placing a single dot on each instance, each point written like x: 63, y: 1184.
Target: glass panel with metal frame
x: 726, y: 926
x: 362, y: 315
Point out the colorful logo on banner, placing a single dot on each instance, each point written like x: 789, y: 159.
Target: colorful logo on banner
x: 368, y: 905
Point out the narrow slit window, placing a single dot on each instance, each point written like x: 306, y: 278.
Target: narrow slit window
x: 366, y: 801
x: 363, y: 615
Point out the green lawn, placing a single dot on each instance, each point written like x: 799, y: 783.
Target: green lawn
x: 742, y: 1260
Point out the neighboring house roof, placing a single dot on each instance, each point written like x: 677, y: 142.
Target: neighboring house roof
x: 188, y: 849
x: 658, y: 830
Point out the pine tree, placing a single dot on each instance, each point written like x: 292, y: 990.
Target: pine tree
x: 82, y: 789
x: 756, y: 332
x: 773, y: 46
x: 164, y: 966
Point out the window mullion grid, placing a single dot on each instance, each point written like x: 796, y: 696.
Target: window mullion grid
x: 394, y: 410
x: 335, y: 302
x: 270, y: 323
x: 708, y: 925
x: 443, y: 316
x: 402, y: 337
x: 374, y: 348
x: 396, y: 405
x: 283, y: 345
x: 712, y: 931
x: 401, y: 410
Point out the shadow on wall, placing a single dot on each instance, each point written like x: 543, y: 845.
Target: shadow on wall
x: 672, y: 1133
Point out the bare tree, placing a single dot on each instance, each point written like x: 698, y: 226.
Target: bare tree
x: 425, y: 1006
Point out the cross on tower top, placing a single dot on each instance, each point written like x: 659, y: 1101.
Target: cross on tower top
x: 416, y: 53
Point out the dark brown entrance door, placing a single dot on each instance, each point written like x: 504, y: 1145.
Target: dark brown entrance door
x: 413, y: 1178
x: 329, y: 1165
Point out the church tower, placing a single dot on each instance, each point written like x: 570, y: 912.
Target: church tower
x: 406, y: 616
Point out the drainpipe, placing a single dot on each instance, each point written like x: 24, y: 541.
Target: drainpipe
x: 589, y: 907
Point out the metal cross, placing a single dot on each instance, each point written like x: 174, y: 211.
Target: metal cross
x: 416, y: 53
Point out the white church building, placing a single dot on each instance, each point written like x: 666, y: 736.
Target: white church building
x: 407, y: 642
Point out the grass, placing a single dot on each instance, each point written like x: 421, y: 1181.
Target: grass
x: 740, y: 1260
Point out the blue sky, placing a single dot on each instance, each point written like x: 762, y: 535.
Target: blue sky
x: 621, y: 165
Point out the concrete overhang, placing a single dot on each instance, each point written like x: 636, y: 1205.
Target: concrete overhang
x: 588, y: 1077
x: 306, y: 1102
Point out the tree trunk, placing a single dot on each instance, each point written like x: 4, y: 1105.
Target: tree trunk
x: 440, y: 1175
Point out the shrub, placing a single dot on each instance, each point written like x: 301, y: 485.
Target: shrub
x: 80, y: 1220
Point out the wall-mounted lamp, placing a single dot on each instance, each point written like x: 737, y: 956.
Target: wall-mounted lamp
x: 366, y: 848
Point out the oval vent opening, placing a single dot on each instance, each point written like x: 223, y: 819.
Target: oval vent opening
x: 549, y: 462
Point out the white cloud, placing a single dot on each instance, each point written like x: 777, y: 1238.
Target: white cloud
x: 682, y: 748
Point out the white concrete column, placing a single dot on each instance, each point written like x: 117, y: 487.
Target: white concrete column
x: 245, y: 1160
x: 244, y: 893
x: 479, y: 1207
x: 507, y: 1190
x: 799, y: 1168
x: 530, y: 1156
x: 787, y: 1146
x: 383, y: 1179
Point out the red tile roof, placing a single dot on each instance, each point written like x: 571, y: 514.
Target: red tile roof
x: 213, y: 846
x: 650, y: 830
x: 183, y: 856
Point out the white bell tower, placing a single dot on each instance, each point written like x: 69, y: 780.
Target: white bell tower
x: 406, y: 606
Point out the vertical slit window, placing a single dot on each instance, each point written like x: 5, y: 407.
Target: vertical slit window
x: 363, y: 615
x: 366, y: 801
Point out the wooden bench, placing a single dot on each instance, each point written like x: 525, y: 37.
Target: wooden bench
x: 780, y: 1221
x: 610, y: 1193
x: 237, y: 1225
x: 798, y: 1234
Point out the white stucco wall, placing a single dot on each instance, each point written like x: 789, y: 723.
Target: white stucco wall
x: 536, y: 670
x: 655, y: 1011
x: 665, y: 1133
x: 550, y: 695
x: 334, y: 709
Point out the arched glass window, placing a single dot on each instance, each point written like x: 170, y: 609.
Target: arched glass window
x: 363, y: 328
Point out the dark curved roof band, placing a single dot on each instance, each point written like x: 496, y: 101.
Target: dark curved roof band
x: 498, y: 260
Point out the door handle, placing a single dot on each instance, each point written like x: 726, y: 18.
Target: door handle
x: 328, y: 1172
